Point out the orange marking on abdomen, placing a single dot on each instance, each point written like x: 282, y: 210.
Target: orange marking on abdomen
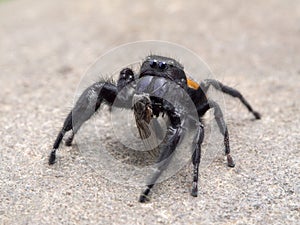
x: 192, y: 84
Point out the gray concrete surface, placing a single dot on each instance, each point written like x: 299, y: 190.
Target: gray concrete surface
x: 45, y: 48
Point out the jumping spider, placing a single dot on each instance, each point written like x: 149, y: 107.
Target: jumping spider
x: 147, y: 100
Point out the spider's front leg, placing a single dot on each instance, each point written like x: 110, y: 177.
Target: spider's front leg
x: 88, y: 103
x: 167, y: 149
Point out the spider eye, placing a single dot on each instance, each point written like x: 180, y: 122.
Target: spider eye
x: 153, y: 63
x: 162, y: 65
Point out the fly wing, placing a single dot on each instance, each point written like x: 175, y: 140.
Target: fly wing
x: 148, y: 136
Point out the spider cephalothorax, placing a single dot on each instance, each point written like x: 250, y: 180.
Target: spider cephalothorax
x: 157, y: 89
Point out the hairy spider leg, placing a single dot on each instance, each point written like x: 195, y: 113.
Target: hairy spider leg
x: 197, y: 157
x: 167, y: 148
x: 230, y: 91
x: 87, y: 104
x: 223, y: 129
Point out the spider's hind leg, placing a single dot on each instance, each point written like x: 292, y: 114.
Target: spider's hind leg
x: 223, y: 129
x: 230, y: 91
x: 198, y: 139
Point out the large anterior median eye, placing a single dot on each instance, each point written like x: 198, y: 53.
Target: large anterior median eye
x: 153, y: 63
x: 162, y: 65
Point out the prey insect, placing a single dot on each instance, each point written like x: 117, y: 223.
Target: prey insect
x: 147, y: 93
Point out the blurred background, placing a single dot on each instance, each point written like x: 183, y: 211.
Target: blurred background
x: 47, y: 46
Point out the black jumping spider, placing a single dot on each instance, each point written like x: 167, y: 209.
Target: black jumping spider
x: 148, y: 99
